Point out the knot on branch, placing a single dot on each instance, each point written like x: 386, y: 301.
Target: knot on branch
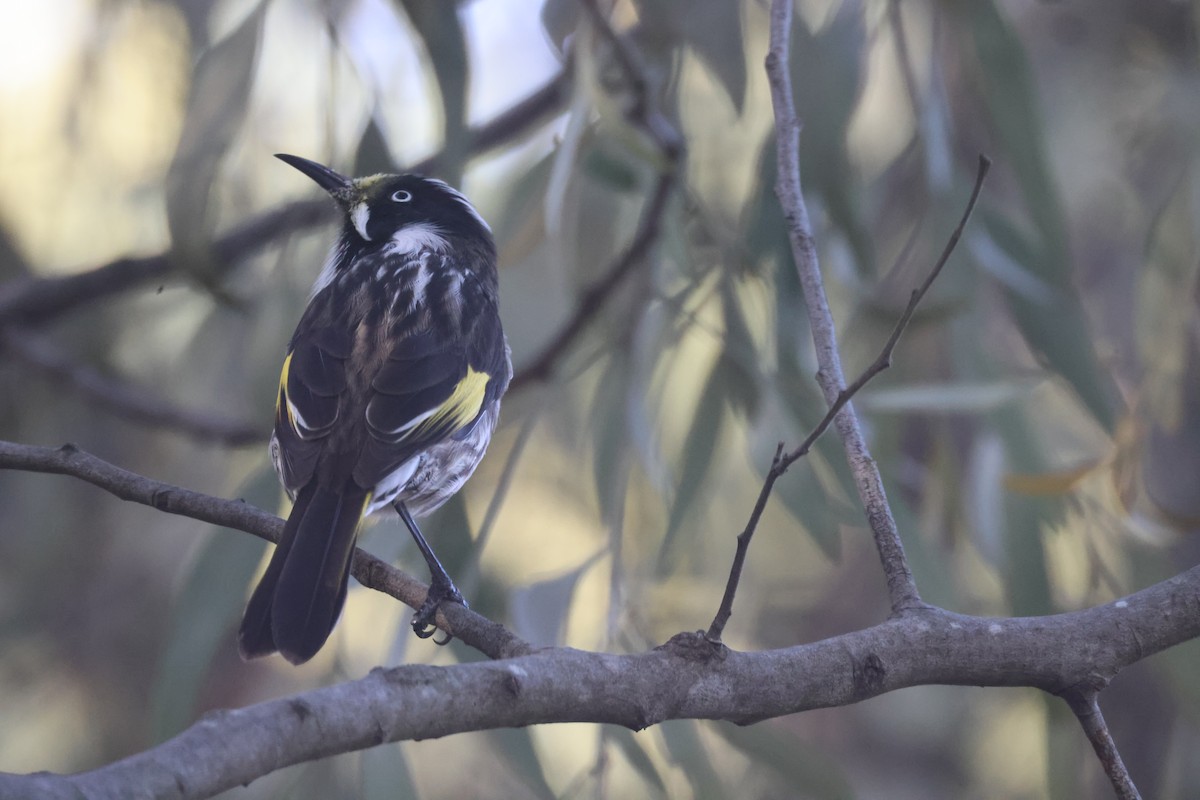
x: 301, y: 709
x: 695, y: 647
x: 869, y: 674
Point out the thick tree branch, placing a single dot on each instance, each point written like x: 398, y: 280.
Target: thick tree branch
x: 902, y: 589
x: 687, y: 678
x: 37, y: 300
x: 477, y: 631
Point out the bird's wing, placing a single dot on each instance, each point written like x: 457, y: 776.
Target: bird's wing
x: 432, y: 387
x: 311, y: 386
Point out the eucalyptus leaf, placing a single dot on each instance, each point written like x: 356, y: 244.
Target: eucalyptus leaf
x: 517, y: 752
x: 970, y: 397
x: 804, y: 772
x: 539, y: 611
x: 441, y: 30
x: 386, y: 774
x: 216, y: 113
x: 1056, y: 327
x: 699, y: 449
x: 631, y: 745
x: 828, y: 75
x: 711, y: 28
x: 373, y: 155
x: 682, y: 737
x: 205, y: 610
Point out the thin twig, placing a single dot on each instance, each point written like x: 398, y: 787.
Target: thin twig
x: 782, y: 460
x: 122, y: 397
x: 477, y: 631
x: 884, y: 359
x: 37, y: 300
x: 1083, y: 701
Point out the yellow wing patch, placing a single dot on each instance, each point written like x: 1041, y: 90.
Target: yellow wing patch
x: 462, y: 406
x: 281, y: 403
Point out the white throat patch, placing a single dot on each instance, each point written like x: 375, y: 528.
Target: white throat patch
x: 412, y: 239
x: 360, y: 215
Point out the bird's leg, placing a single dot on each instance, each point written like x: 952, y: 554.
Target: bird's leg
x: 441, y: 588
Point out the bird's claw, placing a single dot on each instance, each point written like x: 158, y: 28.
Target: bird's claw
x: 423, y: 622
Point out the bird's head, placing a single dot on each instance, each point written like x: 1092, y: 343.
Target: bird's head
x: 403, y: 212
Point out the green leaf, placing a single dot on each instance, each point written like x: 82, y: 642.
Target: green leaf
x: 386, y: 774
x: 708, y: 423
x: 827, y: 75
x: 683, y: 743
x: 517, y: 753
x: 960, y: 397
x: 439, y: 27
x: 216, y: 112
x: 711, y: 28
x: 740, y: 356
x: 610, y: 453
x: 539, y: 610
x: 774, y: 745
x: 631, y: 746
x: 206, y: 608
x: 1010, y: 93
x: 1054, y: 325
x: 373, y: 155
x: 714, y: 31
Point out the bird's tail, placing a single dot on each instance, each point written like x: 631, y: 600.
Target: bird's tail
x: 300, y: 595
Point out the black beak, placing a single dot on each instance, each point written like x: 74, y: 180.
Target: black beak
x: 336, y: 184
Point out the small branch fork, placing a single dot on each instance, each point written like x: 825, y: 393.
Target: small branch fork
x: 902, y: 588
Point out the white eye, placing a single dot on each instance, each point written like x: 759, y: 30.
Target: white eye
x: 402, y: 196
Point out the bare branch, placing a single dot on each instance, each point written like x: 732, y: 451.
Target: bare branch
x: 1083, y: 700
x: 687, y: 678
x: 124, y: 398
x: 37, y: 300
x: 473, y: 629
x: 902, y: 589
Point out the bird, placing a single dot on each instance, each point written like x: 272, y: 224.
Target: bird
x: 388, y: 396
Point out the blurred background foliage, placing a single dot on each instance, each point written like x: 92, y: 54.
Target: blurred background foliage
x: 1038, y: 433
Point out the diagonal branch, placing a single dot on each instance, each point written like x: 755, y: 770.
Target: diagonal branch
x: 37, y: 300
x: 123, y: 398
x: 782, y: 460
x: 478, y: 632
x: 1083, y: 700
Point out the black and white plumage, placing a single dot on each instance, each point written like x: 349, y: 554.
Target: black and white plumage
x: 389, y: 394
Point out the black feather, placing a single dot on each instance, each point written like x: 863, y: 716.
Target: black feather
x: 300, y: 596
